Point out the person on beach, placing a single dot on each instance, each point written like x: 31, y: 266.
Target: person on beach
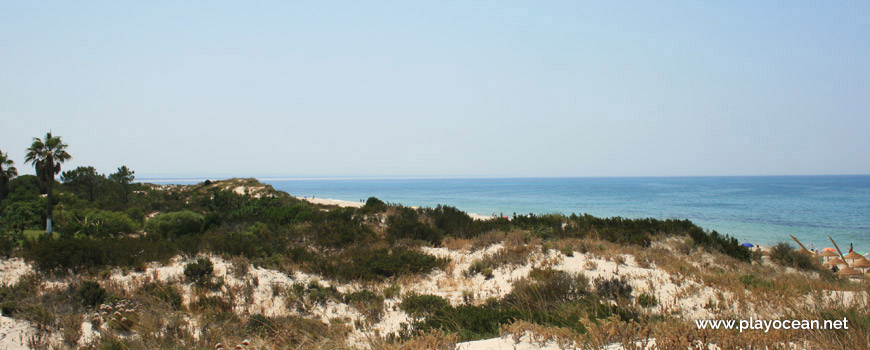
x: 850, y: 247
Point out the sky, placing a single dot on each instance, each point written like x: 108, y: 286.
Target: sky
x: 440, y: 88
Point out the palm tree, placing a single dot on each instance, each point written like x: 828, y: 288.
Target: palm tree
x: 7, y: 172
x: 46, y: 155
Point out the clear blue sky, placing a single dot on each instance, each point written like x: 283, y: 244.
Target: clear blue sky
x: 441, y: 88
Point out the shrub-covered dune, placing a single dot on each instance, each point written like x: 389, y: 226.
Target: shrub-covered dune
x: 235, y: 263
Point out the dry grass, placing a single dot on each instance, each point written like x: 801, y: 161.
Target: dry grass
x: 436, y: 340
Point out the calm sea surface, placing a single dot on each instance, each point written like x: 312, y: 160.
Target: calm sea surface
x: 761, y: 210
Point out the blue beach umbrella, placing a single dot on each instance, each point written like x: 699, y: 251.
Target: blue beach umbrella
x: 747, y: 245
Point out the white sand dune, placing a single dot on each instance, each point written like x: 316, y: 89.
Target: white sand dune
x: 678, y: 295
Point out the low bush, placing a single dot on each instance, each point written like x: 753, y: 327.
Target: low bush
x: 12, y: 297
x: 341, y: 233
x: 94, y: 222
x: 783, y: 254
x: 7, y: 245
x: 373, y: 205
x: 452, y: 221
x: 136, y: 214
x: 318, y: 293
x: 80, y: 254
x: 200, y: 271
x: 368, y: 264
x: 175, y: 224
x: 367, y: 302
x: 547, y: 289
x: 403, y: 228
x: 613, y: 288
x: 647, y: 300
x: 423, y: 305
x: 90, y: 294
x: 469, y: 322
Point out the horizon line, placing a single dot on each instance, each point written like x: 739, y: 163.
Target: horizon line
x: 458, y: 177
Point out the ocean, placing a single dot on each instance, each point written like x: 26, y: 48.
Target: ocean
x: 758, y: 209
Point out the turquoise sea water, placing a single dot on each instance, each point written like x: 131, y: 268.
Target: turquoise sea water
x: 760, y: 210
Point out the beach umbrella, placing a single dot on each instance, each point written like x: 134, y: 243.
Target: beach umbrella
x: 747, y: 245
x: 828, y: 253
x: 829, y: 249
x: 861, y: 263
x: 835, y: 261
x: 848, y: 271
x: 853, y: 255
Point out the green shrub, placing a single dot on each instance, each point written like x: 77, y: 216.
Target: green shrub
x: 640, y: 232
x: 423, y: 305
x: 288, y: 214
x: 484, y: 266
x: 373, y: 264
x: 175, y: 224
x: 373, y: 205
x: 451, y: 221
x: 114, y: 344
x: 200, y: 271
x: 7, y: 245
x: 94, y: 222
x: 341, y: 233
x: 469, y: 322
x: 90, y: 294
x: 65, y: 254
x: 22, y: 215
x: 613, y: 288
x: 404, y: 228
x: 546, y: 289
x: 392, y: 291
x: 783, y: 254
x: 136, y: 214
x: 12, y: 297
x: 320, y: 294
x: 367, y: 302
x: 647, y: 300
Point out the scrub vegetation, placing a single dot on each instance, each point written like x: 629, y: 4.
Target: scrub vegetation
x: 106, y: 225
